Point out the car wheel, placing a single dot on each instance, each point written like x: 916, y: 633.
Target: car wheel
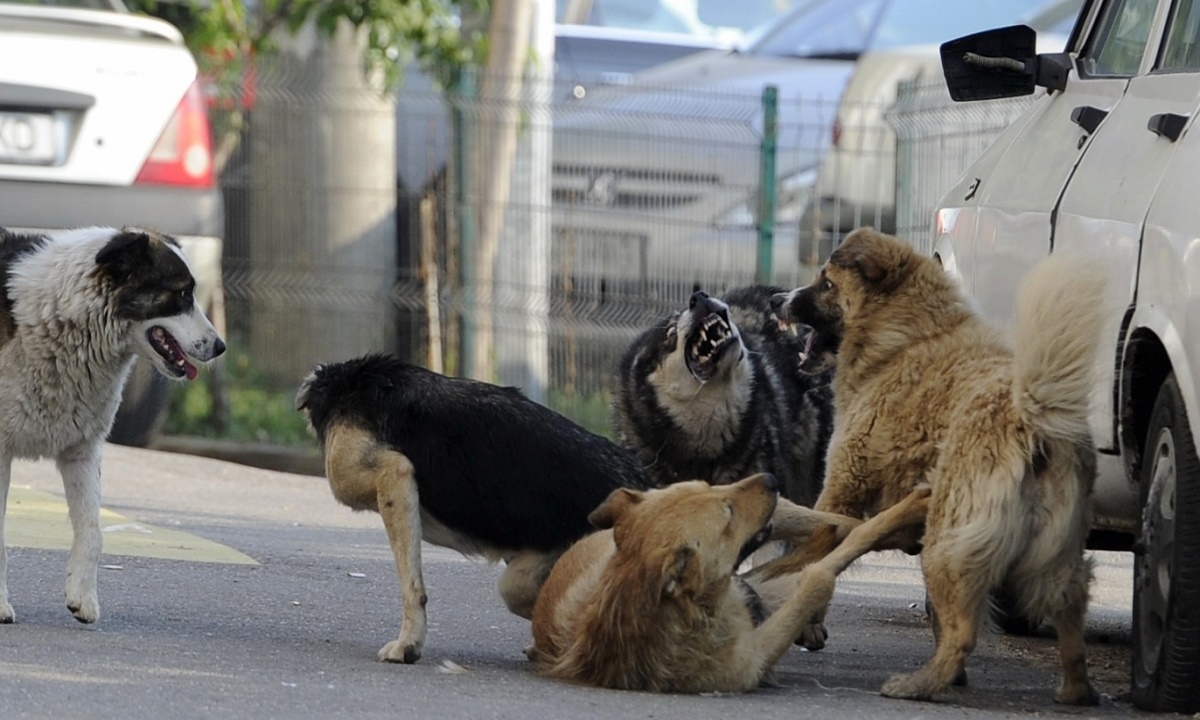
x: 1166, y: 577
x: 143, y: 409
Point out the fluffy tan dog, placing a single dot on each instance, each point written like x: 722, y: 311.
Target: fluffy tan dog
x: 926, y: 392
x: 652, y: 602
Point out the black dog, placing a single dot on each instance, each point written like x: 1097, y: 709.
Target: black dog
x: 466, y: 465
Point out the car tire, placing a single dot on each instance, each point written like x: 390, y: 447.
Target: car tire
x: 1166, y: 579
x: 144, y: 405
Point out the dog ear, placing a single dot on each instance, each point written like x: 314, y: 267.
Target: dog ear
x: 128, y: 243
x: 676, y: 572
x: 605, y: 516
x: 882, y: 265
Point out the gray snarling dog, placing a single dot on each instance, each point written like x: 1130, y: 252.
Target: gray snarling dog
x: 715, y: 393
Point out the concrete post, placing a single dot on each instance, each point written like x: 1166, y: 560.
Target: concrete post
x: 323, y: 201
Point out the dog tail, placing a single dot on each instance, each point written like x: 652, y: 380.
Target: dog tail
x: 1060, y: 317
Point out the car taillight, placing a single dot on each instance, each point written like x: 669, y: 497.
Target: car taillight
x: 183, y: 153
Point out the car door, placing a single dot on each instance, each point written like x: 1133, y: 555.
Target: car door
x: 1168, y: 289
x: 1017, y: 202
x: 1104, y: 207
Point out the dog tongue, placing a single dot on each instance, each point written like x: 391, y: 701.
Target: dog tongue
x: 190, y: 369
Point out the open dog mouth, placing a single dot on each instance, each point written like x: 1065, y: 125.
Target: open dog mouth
x: 818, y: 346
x: 756, y: 541
x: 707, y: 344
x: 167, y: 346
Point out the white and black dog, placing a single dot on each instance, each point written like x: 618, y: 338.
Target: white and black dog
x: 715, y: 392
x: 76, y: 306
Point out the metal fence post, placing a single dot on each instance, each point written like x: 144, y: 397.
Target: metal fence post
x: 462, y: 129
x: 766, y: 184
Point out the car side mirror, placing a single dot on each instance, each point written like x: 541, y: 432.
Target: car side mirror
x: 1001, y: 63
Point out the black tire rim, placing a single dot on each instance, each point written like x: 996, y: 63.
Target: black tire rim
x: 1158, y: 540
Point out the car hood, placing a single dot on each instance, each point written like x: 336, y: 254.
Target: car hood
x: 736, y: 72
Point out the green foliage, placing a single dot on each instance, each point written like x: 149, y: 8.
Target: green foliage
x: 591, y: 410
x: 224, y: 34
x: 257, y: 411
x: 429, y: 30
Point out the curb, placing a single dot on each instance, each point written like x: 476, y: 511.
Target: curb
x: 300, y: 461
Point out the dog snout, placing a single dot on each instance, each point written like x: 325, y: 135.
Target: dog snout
x: 703, y: 304
x: 218, y: 348
x: 777, y: 300
x: 766, y: 480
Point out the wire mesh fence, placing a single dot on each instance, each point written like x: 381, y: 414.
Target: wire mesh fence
x: 355, y: 221
x: 936, y: 140
x: 358, y: 222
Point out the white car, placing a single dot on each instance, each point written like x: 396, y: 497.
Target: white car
x: 102, y: 122
x: 1106, y: 164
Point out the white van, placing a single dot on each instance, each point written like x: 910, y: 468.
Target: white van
x: 1106, y: 162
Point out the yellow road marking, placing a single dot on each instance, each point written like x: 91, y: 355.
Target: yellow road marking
x: 39, y: 520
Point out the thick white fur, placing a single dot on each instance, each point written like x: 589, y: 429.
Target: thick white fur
x: 63, y: 408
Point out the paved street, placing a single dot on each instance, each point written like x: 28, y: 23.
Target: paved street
x: 232, y: 592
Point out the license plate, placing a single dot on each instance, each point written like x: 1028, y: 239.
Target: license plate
x: 28, y: 138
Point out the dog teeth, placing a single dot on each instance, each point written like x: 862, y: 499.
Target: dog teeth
x: 713, y: 332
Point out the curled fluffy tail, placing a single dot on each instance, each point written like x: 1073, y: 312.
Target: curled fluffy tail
x: 1061, y: 309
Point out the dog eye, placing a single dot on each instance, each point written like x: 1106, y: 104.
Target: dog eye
x: 826, y: 285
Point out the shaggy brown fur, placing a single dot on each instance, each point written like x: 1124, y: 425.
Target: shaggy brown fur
x: 926, y: 392
x: 653, y: 602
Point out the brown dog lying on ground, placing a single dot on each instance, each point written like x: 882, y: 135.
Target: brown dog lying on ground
x: 927, y: 392
x: 652, y: 602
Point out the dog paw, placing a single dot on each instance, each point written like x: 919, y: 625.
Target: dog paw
x: 85, y: 611
x: 813, y: 637
x: 7, y: 614
x: 400, y: 652
x: 82, y: 600
x: 905, y: 687
x: 1077, y: 694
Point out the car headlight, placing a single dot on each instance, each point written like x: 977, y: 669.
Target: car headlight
x: 792, y: 196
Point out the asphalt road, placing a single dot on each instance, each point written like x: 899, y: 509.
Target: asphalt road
x: 233, y: 592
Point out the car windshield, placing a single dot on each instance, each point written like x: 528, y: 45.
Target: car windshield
x: 844, y: 29
x: 701, y: 18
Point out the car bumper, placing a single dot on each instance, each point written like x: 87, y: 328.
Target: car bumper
x: 840, y: 215
x: 49, y: 206
x: 194, y: 217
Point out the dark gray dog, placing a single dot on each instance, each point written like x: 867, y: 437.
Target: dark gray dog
x: 716, y: 393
